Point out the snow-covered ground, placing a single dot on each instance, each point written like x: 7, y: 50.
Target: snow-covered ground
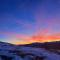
x: 8, y: 52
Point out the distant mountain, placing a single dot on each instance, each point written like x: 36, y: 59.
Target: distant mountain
x: 5, y: 43
x: 50, y: 46
x: 46, y: 45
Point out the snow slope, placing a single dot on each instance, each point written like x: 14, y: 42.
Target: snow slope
x: 9, y: 52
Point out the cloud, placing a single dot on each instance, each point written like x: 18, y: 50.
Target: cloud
x: 43, y: 36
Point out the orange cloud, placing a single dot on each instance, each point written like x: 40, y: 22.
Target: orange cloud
x: 54, y: 37
x: 37, y: 38
x: 47, y: 38
x: 42, y: 36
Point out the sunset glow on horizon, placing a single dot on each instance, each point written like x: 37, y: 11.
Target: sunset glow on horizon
x: 25, y: 39
x: 28, y: 21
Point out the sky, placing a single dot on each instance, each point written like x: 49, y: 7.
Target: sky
x: 27, y: 21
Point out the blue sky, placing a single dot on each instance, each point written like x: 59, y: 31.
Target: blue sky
x: 28, y: 17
